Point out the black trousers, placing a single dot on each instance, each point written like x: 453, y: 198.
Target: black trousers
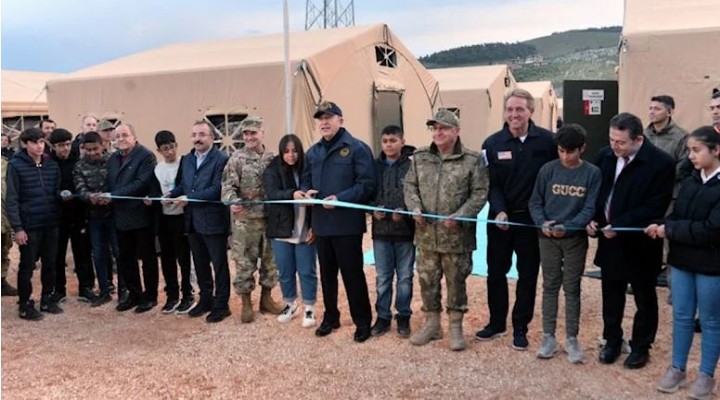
x: 344, y: 254
x: 174, y: 250
x: 645, y: 322
x: 501, y: 245
x: 207, y: 249
x: 80, y: 245
x: 140, y: 243
x: 42, y: 243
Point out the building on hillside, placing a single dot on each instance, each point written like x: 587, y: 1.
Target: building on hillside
x: 24, y: 100
x: 366, y: 70
x: 670, y: 47
x: 546, y: 105
x: 476, y: 94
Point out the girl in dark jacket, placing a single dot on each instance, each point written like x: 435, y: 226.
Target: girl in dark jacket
x: 288, y: 225
x: 693, y: 230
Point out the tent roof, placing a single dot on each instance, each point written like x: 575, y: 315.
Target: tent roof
x: 465, y: 78
x: 25, y: 86
x: 219, y: 54
x: 536, y: 88
x: 670, y: 15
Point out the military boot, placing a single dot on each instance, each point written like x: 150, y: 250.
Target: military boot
x: 267, y: 304
x: 7, y: 289
x: 429, y: 331
x: 247, y: 310
x: 457, y: 340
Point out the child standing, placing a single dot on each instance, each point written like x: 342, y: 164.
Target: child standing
x: 393, y: 234
x: 563, y: 202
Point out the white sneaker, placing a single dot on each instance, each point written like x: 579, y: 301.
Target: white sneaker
x: 309, y: 318
x: 288, y: 313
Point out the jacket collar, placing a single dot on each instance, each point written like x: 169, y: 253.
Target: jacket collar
x: 532, y: 131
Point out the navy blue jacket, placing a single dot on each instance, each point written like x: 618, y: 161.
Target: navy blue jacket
x: 693, y: 228
x: 345, y: 170
x: 514, y: 166
x: 390, y: 194
x: 204, y: 183
x: 32, y: 193
x: 135, y: 177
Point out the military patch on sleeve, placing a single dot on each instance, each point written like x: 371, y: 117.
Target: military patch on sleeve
x: 345, y: 152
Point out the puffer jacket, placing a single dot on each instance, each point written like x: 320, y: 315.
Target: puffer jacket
x: 32, y: 197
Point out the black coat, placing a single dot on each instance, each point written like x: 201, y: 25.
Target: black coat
x: 694, y: 226
x: 32, y: 198
x: 642, y: 193
x: 279, y: 184
x: 73, y: 210
x: 390, y: 194
x: 135, y: 177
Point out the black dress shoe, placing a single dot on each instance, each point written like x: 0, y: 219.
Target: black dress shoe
x: 326, y: 328
x: 145, y: 306
x: 362, y: 333
x: 637, y: 360
x: 127, y: 304
x: 218, y: 315
x: 200, y: 309
x: 609, y: 354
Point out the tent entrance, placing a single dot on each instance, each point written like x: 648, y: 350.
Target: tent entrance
x: 387, y: 110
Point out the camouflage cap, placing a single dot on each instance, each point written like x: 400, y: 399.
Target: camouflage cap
x: 251, y: 123
x: 445, y: 118
x: 327, y: 107
x: 104, y: 125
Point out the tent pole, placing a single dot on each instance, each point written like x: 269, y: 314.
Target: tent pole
x: 288, y: 77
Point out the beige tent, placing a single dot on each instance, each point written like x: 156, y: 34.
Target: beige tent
x: 546, y: 107
x: 477, y: 94
x: 366, y: 70
x: 670, y: 47
x: 23, y: 98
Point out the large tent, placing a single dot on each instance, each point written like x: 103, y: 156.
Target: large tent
x: 546, y: 104
x: 476, y: 94
x: 670, y: 47
x: 366, y: 70
x: 24, y: 100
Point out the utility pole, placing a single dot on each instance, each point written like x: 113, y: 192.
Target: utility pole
x: 324, y: 14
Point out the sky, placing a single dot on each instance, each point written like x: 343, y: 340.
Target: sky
x: 67, y: 35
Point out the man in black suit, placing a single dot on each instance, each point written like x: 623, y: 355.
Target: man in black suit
x: 131, y: 172
x: 636, y: 190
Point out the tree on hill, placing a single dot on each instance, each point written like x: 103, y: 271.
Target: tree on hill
x: 479, y: 54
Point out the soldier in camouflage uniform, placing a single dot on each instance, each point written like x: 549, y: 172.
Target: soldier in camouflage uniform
x: 242, y: 181
x: 6, y: 289
x: 447, y: 179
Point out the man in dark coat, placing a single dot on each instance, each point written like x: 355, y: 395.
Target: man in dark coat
x: 637, y: 186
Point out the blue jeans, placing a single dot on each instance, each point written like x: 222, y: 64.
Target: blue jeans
x: 391, y: 258
x: 300, y: 259
x: 691, y: 292
x: 102, y: 237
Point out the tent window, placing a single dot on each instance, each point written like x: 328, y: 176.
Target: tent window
x: 385, y: 56
x: 453, y: 110
x: 228, y: 137
x: 13, y: 126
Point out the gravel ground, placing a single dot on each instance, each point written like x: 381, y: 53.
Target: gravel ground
x: 99, y: 352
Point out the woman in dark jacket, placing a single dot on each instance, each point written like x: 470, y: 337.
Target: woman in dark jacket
x: 693, y: 230
x: 288, y: 225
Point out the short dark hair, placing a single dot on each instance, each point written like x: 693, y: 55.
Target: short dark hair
x: 31, y: 135
x: 570, y: 136
x: 92, y: 137
x: 393, y: 130
x: 627, y: 122
x: 665, y: 99
x: 164, y: 137
x: 715, y: 94
x: 44, y: 121
x: 294, y: 139
x: 59, y: 135
x: 707, y: 136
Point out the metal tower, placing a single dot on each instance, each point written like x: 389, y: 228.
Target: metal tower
x: 329, y: 14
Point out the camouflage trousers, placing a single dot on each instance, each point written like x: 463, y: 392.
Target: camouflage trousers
x: 430, y: 268
x: 249, y: 245
x: 6, y: 245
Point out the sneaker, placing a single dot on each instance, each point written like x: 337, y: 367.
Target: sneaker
x: 403, y: 326
x: 86, y: 295
x: 381, y: 327
x: 50, y: 307
x: 101, y: 299
x: 145, y: 306
x: 489, y: 333
x: 288, y: 313
x: 170, y: 305
x: 29, y: 312
x: 702, y: 388
x: 574, y: 350
x: 58, y: 297
x: 520, y: 342
x: 186, y: 304
x: 548, y: 348
x: 673, y: 380
x: 309, y: 317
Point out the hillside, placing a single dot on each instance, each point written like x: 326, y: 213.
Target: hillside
x: 564, y: 43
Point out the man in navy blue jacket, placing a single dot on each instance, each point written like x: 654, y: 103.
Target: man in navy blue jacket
x: 207, y: 221
x: 340, y: 167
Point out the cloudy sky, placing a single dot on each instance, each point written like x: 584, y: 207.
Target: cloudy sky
x: 66, y: 35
